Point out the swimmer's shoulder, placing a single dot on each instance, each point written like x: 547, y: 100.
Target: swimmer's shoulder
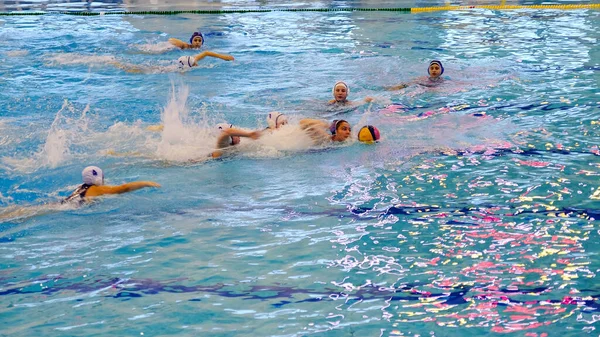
x: 179, y: 43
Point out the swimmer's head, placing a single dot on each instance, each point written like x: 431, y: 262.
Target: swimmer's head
x: 235, y: 140
x: 436, y: 69
x: 368, y: 134
x: 92, y: 175
x: 197, y: 40
x: 276, y: 120
x: 340, y: 91
x: 223, y: 126
x: 340, y: 129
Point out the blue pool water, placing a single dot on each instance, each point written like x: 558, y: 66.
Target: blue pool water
x: 476, y: 214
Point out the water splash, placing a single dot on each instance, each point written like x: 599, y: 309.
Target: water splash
x: 158, y: 48
x: 63, y: 132
x: 76, y: 58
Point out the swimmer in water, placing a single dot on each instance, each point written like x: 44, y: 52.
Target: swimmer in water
x: 340, y: 93
x: 196, y: 42
x: 230, y: 137
x: 322, y: 132
x: 93, y: 186
x: 276, y: 120
x: 435, y: 71
x: 184, y: 62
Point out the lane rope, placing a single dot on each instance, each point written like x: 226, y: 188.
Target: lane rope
x: 241, y: 11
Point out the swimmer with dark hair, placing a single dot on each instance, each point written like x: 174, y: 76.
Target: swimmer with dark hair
x: 322, y: 132
x: 340, y: 93
x: 93, y: 186
x: 230, y: 137
x: 435, y: 71
x: 196, y: 41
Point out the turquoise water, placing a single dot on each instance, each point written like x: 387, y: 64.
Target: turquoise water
x: 454, y: 224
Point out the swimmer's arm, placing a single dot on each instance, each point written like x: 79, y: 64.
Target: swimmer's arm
x: 398, y: 87
x: 316, y: 129
x: 128, y: 68
x: 312, y: 123
x: 212, y: 54
x: 223, y: 140
x: 179, y: 43
x: 95, y: 191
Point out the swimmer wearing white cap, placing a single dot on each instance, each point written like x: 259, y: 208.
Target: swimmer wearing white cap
x: 340, y: 92
x: 433, y: 78
x: 186, y: 62
x: 276, y: 120
x: 229, y: 137
x: 93, y: 186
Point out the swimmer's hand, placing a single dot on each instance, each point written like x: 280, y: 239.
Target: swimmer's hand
x: 151, y: 184
x: 398, y: 87
x: 369, y: 99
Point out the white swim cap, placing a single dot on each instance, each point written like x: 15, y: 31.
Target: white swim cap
x: 185, y: 62
x: 276, y: 119
x: 223, y: 126
x: 340, y: 83
x: 92, y: 175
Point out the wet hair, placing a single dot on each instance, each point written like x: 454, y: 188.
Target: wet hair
x: 198, y: 33
x: 335, y: 124
x: 439, y: 63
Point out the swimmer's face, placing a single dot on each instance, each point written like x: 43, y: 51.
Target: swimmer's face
x: 435, y: 71
x: 340, y: 93
x: 235, y: 140
x: 342, y: 132
x: 281, y: 123
x: 197, y: 42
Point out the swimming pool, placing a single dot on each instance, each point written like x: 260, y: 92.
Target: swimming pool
x: 477, y: 220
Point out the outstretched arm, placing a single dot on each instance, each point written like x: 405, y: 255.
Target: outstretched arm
x: 178, y: 43
x: 212, y: 54
x: 313, y: 123
x: 128, y: 67
x: 224, y: 139
x: 398, y: 87
x: 95, y: 191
